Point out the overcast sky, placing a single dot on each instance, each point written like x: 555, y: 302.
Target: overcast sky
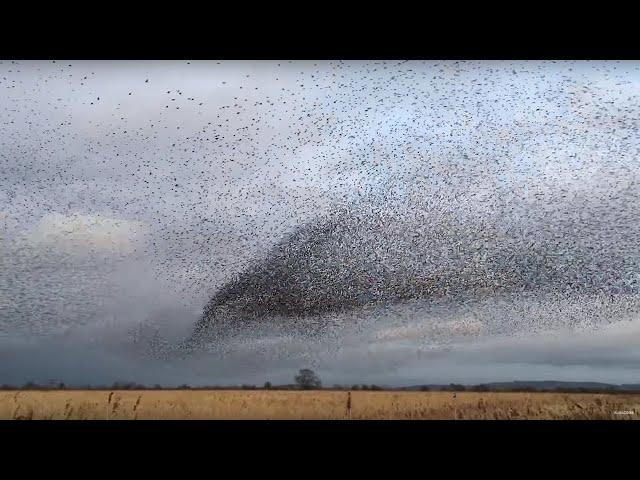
x: 131, y: 190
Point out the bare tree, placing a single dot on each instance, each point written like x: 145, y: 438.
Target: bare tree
x: 307, y: 379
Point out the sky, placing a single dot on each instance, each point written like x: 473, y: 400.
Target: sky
x: 131, y: 191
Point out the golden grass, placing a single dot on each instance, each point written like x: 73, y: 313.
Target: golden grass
x: 493, y: 406
x: 240, y: 404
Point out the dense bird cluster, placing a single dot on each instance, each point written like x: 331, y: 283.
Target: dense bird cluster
x: 307, y: 190
x: 379, y: 251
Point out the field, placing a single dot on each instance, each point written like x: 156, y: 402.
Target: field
x: 342, y: 405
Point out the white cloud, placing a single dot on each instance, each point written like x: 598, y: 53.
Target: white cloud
x: 81, y: 233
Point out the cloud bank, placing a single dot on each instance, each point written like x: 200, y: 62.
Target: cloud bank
x: 132, y: 191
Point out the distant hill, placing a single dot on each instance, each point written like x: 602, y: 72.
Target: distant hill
x: 630, y: 386
x: 542, y: 385
x: 550, y: 385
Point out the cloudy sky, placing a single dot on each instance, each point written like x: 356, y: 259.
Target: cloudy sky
x: 130, y: 191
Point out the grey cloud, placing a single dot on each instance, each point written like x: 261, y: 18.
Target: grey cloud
x: 217, y: 184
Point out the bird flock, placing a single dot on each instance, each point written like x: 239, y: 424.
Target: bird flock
x: 315, y: 194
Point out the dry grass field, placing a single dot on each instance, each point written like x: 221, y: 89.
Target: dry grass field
x: 343, y: 405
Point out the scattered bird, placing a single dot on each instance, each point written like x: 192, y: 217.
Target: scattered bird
x: 310, y: 194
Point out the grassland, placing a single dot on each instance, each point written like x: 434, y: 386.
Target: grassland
x: 343, y: 405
